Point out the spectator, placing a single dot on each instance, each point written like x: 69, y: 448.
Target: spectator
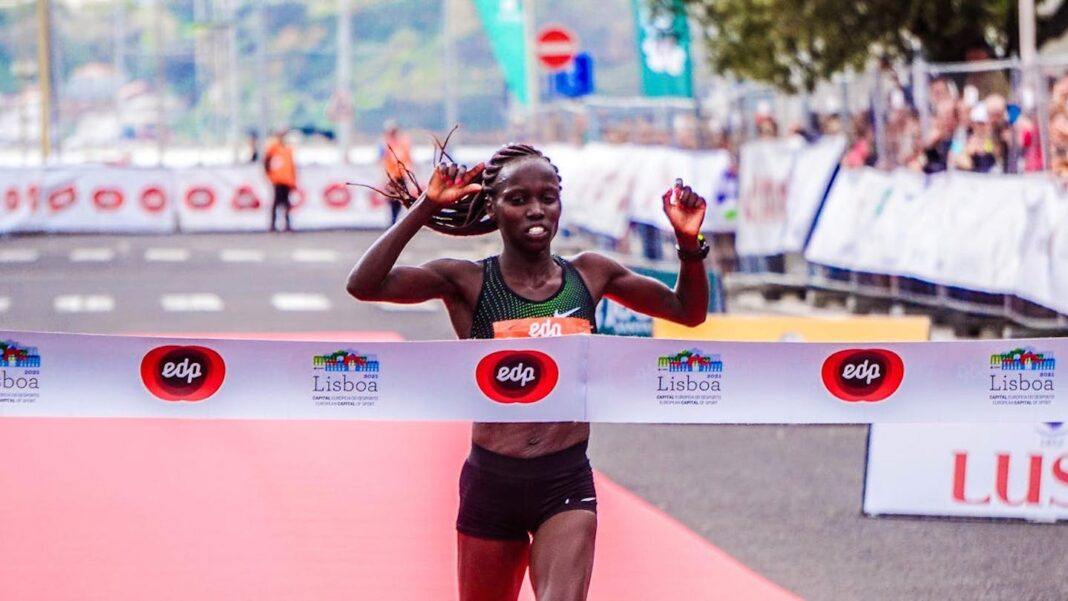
x: 1058, y: 137
x: 939, y: 141
x: 1001, y: 130
x: 862, y: 152
x: 253, y: 147
x: 395, y: 155
x: 766, y: 126
x: 981, y: 149
x: 282, y: 173
x: 1028, y: 141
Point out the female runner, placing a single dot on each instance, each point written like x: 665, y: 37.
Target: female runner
x: 526, y: 490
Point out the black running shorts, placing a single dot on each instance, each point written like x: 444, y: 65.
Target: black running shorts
x: 508, y: 498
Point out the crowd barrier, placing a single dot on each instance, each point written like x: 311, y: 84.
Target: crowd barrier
x: 607, y: 188
x: 781, y: 185
x: 968, y: 470
x: 993, y: 234
x: 570, y: 378
x: 106, y: 199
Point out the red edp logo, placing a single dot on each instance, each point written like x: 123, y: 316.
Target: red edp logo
x: 183, y: 373
x: 863, y: 375
x: 517, y: 376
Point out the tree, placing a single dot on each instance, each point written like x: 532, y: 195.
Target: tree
x: 794, y: 44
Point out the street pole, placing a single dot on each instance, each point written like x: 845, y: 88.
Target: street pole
x: 343, y: 94
x: 1028, y: 49
x: 262, y: 78
x: 533, y: 90
x: 44, y: 74
x: 1031, y: 80
x: 161, y: 83
x: 232, y: 78
x: 119, y: 59
x: 920, y: 92
x: 452, y: 112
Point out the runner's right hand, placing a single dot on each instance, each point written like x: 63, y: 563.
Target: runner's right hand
x: 451, y: 182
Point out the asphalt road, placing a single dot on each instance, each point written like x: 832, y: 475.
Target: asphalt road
x: 784, y: 500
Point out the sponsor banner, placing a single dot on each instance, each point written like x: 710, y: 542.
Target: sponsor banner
x: 570, y: 378
x: 608, y: 186
x: 503, y: 23
x: 89, y: 198
x: 323, y: 200
x: 1043, y: 265
x: 598, y: 184
x: 781, y: 185
x: 701, y: 170
x: 969, y: 470
x: 19, y: 198
x: 57, y: 375
x: 722, y: 216
x: 990, y: 233
x: 613, y: 319
x: 758, y: 328
x: 663, y: 48
x: 811, y: 175
x: 223, y: 199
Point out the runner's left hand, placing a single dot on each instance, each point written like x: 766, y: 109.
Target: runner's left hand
x: 685, y: 209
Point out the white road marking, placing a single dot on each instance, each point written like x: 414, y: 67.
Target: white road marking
x: 315, y: 255
x: 99, y: 254
x: 299, y: 301
x: 83, y: 303
x: 5, y: 303
x: 242, y: 255
x: 19, y: 255
x: 167, y: 254
x: 204, y: 301
x: 423, y: 307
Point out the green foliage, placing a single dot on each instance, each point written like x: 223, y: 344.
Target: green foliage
x: 794, y: 44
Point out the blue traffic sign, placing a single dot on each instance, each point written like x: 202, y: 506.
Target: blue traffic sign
x: 578, y: 80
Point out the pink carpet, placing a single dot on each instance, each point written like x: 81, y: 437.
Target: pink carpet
x: 114, y: 509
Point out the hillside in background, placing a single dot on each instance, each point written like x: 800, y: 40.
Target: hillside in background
x: 397, y: 58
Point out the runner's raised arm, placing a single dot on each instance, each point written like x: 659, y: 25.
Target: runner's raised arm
x: 688, y: 302
x: 376, y: 277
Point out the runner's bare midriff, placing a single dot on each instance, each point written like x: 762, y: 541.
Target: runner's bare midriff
x: 529, y: 439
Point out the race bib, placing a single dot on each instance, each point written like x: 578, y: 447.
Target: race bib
x: 541, y: 327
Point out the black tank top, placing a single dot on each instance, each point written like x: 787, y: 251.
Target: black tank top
x: 497, y: 302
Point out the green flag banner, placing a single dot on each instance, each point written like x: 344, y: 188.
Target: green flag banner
x: 663, y: 48
x: 503, y: 22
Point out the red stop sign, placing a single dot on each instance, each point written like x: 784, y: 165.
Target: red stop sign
x: 556, y: 47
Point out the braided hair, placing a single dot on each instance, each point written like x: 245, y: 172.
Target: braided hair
x: 467, y: 217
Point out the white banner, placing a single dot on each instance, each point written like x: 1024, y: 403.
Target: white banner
x: 991, y: 233
x: 88, y: 198
x: 606, y: 187
x: 781, y: 184
x: 20, y: 190
x: 968, y: 470
x: 1043, y: 263
x: 812, y: 173
x: 323, y: 200
x: 597, y: 186
x: 577, y: 378
x: 223, y: 199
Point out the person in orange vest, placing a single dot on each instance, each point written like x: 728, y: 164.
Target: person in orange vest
x: 282, y: 173
x: 395, y: 154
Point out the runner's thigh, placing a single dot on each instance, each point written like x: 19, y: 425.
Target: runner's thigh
x: 561, y: 558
